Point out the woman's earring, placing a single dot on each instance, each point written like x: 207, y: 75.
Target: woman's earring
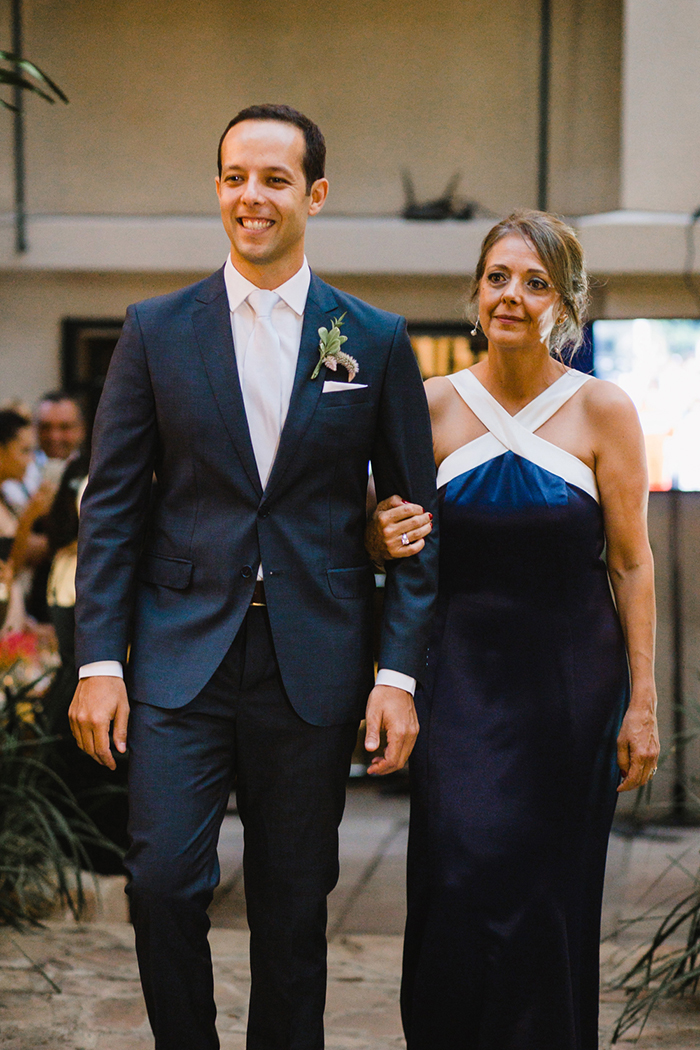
x: 475, y: 329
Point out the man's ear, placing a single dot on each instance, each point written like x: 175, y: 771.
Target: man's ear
x: 319, y: 192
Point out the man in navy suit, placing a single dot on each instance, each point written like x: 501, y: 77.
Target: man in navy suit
x: 221, y: 564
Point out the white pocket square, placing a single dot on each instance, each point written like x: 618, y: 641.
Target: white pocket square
x: 332, y: 384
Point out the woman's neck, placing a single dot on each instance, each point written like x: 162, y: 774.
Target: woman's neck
x: 516, y: 377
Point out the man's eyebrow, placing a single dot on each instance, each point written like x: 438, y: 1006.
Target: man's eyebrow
x: 273, y: 168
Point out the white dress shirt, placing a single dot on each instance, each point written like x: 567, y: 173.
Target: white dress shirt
x: 288, y: 320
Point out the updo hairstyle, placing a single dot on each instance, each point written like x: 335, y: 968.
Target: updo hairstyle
x: 560, y: 253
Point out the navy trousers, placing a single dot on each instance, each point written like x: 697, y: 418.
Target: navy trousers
x: 290, y: 781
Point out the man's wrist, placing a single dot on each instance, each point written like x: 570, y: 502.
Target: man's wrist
x: 108, y: 668
x: 397, y: 679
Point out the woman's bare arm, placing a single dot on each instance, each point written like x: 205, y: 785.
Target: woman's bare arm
x: 623, y: 485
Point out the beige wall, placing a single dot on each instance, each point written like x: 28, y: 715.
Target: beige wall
x: 661, y: 105
x: 33, y: 307
x: 585, y: 106
x: 439, y: 87
x: 643, y: 296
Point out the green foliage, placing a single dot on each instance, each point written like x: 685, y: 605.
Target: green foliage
x: 44, y: 833
x: 20, y: 72
x: 667, y: 968
x: 330, y: 353
x: 663, y: 972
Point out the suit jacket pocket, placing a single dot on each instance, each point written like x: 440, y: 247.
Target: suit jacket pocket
x: 168, y: 572
x: 351, y: 583
x: 342, y: 398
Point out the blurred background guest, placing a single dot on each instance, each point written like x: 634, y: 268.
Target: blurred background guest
x: 101, y: 793
x: 60, y: 425
x: 16, y: 451
x: 62, y: 537
x: 60, y: 433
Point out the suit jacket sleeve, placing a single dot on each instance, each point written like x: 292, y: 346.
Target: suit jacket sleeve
x: 403, y: 464
x: 115, y: 505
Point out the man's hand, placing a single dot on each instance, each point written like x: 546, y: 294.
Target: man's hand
x: 100, y: 702
x: 390, y: 709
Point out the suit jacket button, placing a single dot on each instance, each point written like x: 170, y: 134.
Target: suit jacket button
x: 246, y: 572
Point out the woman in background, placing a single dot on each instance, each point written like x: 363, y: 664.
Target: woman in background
x: 16, y: 450
x: 527, y: 720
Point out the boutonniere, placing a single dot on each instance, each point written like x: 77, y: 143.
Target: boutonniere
x: 330, y: 353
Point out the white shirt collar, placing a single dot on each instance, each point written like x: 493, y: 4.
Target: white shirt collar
x: 293, y: 292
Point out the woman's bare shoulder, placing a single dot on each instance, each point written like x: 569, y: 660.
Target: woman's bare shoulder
x: 607, y: 404
x: 439, y: 392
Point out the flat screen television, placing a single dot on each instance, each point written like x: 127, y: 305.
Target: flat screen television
x: 657, y: 362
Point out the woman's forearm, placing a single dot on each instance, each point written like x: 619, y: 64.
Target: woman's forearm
x: 633, y: 587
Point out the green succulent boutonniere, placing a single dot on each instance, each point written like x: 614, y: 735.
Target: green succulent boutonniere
x: 330, y: 353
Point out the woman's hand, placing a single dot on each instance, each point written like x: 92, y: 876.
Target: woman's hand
x: 29, y: 547
x: 638, y: 746
x: 397, y: 529
x: 41, y: 502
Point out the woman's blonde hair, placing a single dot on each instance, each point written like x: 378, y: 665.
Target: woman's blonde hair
x: 561, y: 254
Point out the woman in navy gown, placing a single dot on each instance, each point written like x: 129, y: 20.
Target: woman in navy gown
x: 528, y: 724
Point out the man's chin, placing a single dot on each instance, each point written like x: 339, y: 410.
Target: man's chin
x: 255, y: 254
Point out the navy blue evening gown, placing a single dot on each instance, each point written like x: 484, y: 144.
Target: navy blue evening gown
x: 514, y: 773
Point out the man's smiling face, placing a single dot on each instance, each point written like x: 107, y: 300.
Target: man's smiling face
x: 263, y: 199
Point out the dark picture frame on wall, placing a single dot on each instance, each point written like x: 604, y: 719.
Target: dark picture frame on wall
x: 87, y: 346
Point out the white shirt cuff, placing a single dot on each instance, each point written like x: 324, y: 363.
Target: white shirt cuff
x: 111, y: 668
x: 395, y: 678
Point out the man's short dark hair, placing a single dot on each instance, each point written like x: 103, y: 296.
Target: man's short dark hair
x: 55, y: 397
x: 314, y: 162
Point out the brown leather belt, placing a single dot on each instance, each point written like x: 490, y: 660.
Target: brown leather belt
x: 258, y: 594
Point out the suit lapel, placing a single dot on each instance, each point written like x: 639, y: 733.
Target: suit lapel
x: 212, y: 325
x: 305, y: 394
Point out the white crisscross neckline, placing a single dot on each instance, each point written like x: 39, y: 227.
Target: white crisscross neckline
x: 516, y: 433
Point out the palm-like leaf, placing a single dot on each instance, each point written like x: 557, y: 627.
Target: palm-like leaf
x: 44, y: 833
x: 666, y: 968
x: 661, y: 973
x: 22, y: 73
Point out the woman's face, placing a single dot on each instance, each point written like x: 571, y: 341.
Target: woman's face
x: 16, y: 454
x: 518, y: 304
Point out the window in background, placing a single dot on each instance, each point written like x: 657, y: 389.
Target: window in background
x: 444, y: 348
x: 657, y: 362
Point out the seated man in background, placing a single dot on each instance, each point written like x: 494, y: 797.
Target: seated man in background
x: 60, y: 425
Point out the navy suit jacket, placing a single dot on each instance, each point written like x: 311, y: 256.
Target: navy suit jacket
x: 166, y: 568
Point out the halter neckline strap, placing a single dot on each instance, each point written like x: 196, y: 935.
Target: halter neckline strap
x: 516, y: 433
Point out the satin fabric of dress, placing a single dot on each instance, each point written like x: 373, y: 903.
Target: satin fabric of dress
x: 514, y: 775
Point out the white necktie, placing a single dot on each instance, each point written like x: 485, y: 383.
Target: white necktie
x: 261, y: 382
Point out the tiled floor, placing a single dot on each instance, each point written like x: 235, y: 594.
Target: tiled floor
x: 76, y: 987
x: 370, y: 896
